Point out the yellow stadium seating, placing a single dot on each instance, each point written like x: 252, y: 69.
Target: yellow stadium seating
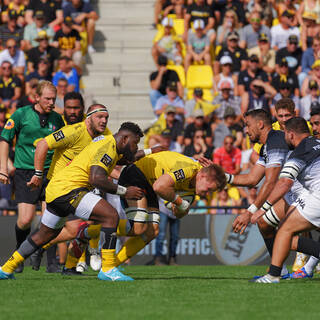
x: 180, y: 71
x: 178, y: 25
x: 199, y: 77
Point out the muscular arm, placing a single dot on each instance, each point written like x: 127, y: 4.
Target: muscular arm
x: 164, y: 188
x: 40, y: 154
x: 282, y: 186
x: 98, y: 178
x: 4, y: 155
x: 250, y: 179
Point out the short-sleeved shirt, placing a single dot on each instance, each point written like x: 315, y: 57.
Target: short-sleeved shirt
x: 177, y: 102
x: 228, y: 161
x: 36, y: 75
x: 274, y: 152
x: 293, y: 58
x: 169, y: 75
x: 25, y: 125
x: 237, y: 56
x: 70, y: 11
x: 49, y: 8
x: 250, y: 36
x: 31, y: 33
x: 18, y: 60
x: 200, y: 12
x: 181, y: 168
x: 67, y: 40
x: 72, y: 77
x: 198, y: 44
x: 6, y: 34
x: 100, y: 152
x: 245, y: 79
x: 291, y: 78
x: 7, y: 87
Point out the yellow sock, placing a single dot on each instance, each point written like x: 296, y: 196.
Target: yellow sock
x: 47, y: 246
x: 94, y: 234
x: 71, y: 261
x: 108, y: 259
x: 13, y: 262
x: 129, y: 249
x: 122, y: 228
x: 83, y: 257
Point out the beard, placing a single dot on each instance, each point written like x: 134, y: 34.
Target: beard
x: 73, y: 120
x: 127, y: 153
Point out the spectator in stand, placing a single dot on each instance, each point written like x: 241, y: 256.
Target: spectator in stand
x: 281, y: 32
x: 199, y: 10
x: 42, y: 51
x: 238, y: 55
x: 226, y: 99
x: 287, y: 5
x: 226, y: 74
x: 265, y: 8
x: 41, y: 73
x: 51, y: 9
x: 198, y: 48
x: 165, y: 140
x: 315, y: 120
x: 230, y: 25
x: 267, y: 56
x: 235, y: 6
x: 11, y: 30
x: 308, y: 58
x: 16, y: 6
x: 285, y: 75
x: 84, y: 19
x: 307, y: 101
x: 165, y: 7
x: 251, y: 73
x: 309, y: 29
x: 68, y: 72
x: 292, y: 53
x: 33, y: 30
x: 249, y: 34
x: 191, y: 104
x: 159, y: 80
x: 62, y: 89
x: 30, y: 98
x: 222, y: 199
x: 168, y: 45
x: 10, y: 87
x: 311, y: 6
x: 198, y: 147
x: 67, y: 40
x: 198, y: 124
x: 228, y: 156
x: 172, y: 99
x: 258, y: 96
x: 15, y: 56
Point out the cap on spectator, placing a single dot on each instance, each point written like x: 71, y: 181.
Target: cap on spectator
x: 167, y: 22
x: 170, y: 108
x: 283, y: 62
x: 225, y: 84
x: 39, y: 14
x: 287, y: 13
x: 309, y: 15
x: 254, y: 58
x: 316, y: 64
x: 68, y: 21
x: 172, y: 85
x: 198, y: 92
x: 198, y: 113
x: 313, y: 84
x: 33, y: 83
x: 225, y: 60
x: 229, y: 112
x: 166, y: 133
x: 42, y: 35
x: 233, y: 35
x: 13, y: 14
x: 263, y: 37
x: 198, y: 24
x: 293, y: 39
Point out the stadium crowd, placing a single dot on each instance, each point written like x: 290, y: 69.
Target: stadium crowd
x: 217, y: 60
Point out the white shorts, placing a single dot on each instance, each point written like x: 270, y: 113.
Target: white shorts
x: 309, y: 207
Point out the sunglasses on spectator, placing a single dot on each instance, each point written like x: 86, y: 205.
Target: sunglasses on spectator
x: 6, y: 68
x: 255, y: 20
x: 293, y: 43
x: 12, y: 47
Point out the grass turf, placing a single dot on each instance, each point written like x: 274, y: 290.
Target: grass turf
x: 182, y: 292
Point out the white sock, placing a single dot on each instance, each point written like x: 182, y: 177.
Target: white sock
x: 284, y: 270
x: 311, y: 264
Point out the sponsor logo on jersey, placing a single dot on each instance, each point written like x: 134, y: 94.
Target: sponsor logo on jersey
x: 9, y: 124
x: 179, y: 174
x: 98, y: 138
x: 59, y: 135
x: 106, y: 160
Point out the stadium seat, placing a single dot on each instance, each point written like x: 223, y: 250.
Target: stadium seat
x: 180, y: 71
x: 199, y: 77
x: 178, y: 25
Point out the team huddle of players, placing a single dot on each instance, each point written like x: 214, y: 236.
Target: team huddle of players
x: 85, y: 156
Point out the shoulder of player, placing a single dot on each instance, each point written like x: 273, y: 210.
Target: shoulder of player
x: 308, y: 149
x: 276, y: 140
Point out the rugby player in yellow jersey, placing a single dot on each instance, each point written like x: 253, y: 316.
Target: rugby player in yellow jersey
x: 167, y: 175
x: 70, y: 192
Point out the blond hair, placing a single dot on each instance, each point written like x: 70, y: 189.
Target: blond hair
x: 45, y: 84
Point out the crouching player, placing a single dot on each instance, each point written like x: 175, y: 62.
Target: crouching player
x: 166, y: 175
x: 70, y: 192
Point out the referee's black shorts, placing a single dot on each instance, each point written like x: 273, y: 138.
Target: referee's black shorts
x: 23, y: 193
x: 132, y: 176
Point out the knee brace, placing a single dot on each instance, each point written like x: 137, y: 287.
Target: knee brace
x: 154, y: 217
x: 271, y: 218
x: 137, y: 214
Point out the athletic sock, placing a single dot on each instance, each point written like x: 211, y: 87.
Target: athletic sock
x: 21, y: 235
x: 71, y: 261
x: 13, y: 262
x: 308, y: 246
x: 269, y: 244
x: 275, y: 271
x: 83, y: 257
x: 108, y: 251
x: 131, y: 247
x: 52, y: 255
x: 93, y: 232
x: 311, y: 264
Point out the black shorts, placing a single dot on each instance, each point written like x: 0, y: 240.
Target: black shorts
x: 132, y: 176
x: 23, y: 193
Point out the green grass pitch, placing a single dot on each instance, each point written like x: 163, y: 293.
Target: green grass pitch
x: 182, y: 292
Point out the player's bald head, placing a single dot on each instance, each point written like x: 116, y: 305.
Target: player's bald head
x: 96, y: 106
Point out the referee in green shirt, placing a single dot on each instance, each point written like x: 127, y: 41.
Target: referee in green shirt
x: 29, y: 125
